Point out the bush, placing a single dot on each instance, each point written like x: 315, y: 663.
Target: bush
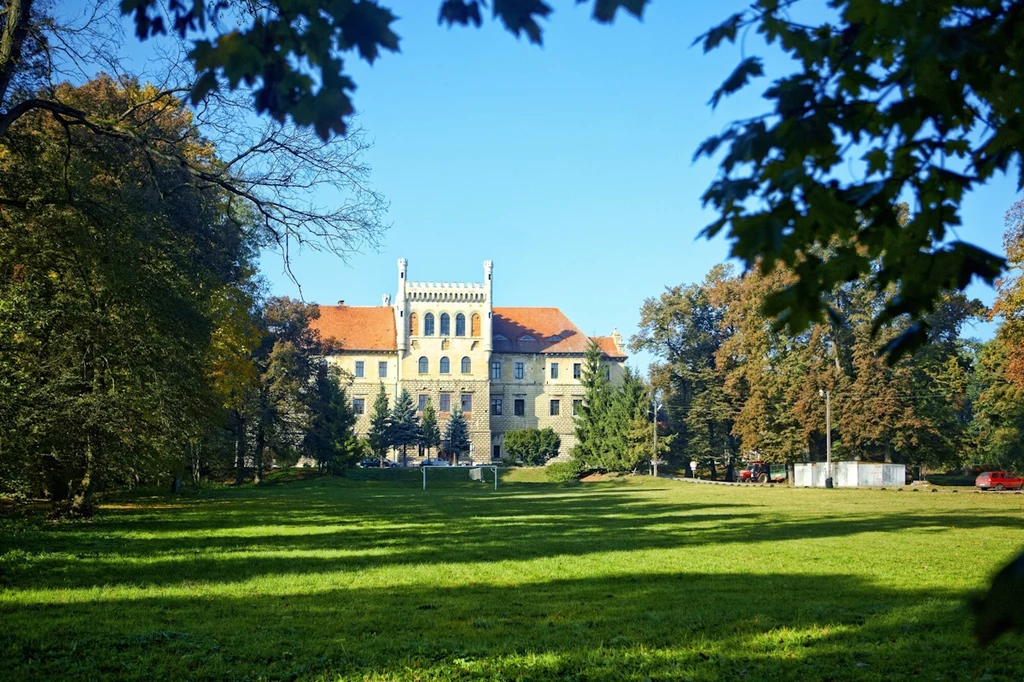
x: 532, y: 447
x: 564, y: 472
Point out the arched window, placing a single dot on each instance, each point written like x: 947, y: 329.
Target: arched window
x: 474, y: 325
x: 445, y: 366
x: 460, y: 325
x: 467, y: 366
x: 414, y: 324
x: 446, y: 327
x: 424, y: 366
x: 428, y: 324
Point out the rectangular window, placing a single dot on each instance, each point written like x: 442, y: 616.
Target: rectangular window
x: 467, y: 402
x: 446, y: 402
x: 359, y: 405
x: 555, y: 408
x: 576, y: 405
x: 519, y: 370
x: 423, y: 402
x: 554, y: 370
x: 382, y: 369
x: 496, y: 452
x: 496, y: 369
x: 359, y: 369
x: 519, y: 407
x: 607, y: 372
x: 577, y: 370
x: 496, y: 406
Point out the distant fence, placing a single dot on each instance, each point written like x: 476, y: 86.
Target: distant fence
x: 850, y: 474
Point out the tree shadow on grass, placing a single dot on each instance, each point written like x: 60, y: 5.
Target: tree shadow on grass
x: 739, y: 626
x: 320, y: 529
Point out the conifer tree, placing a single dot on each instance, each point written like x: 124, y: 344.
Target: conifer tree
x: 403, y: 427
x: 456, y: 434
x: 592, y: 419
x: 629, y: 438
x: 378, y: 434
x: 330, y: 440
x: 431, y: 433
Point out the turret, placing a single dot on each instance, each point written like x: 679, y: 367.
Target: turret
x: 401, y: 324
x: 488, y: 294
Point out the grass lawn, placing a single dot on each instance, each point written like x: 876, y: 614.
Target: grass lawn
x: 624, y: 580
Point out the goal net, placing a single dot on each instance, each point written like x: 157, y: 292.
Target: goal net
x: 449, y: 476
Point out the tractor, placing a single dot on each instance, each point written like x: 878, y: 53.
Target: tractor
x: 762, y: 472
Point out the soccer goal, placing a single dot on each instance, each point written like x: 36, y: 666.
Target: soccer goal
x: 448, y: 475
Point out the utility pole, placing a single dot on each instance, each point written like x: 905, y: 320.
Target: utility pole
x: 828, y: 435
x: 654, y: 459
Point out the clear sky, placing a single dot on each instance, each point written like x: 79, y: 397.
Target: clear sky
x: 568, y: 165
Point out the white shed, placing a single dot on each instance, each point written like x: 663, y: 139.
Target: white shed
x: 850, y: 474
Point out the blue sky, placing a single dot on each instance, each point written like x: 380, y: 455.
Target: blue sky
x: 570, y: 166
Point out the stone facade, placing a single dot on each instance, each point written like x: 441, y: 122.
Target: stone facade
x: 447, y: 342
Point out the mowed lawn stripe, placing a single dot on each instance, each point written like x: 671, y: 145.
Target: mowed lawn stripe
x: 335, y: 579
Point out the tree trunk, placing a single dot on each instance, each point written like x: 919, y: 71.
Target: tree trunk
x: 196, y: 464
x: 81, y: 503
x: 240, y: 449
x: 261, y: 442
x: 16, y: 25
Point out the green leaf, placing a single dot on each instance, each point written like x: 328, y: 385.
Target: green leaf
x: 604, y: 10
x: 724, y: 31
x: 748, y: 68
x: 206, y: 84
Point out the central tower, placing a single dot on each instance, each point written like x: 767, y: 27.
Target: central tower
x: 443, y: 336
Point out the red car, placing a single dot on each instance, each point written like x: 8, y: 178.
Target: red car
x: 999, y: 480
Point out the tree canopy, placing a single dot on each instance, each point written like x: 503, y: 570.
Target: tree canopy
x: 921, y: 98
x: 114, y: 271
x: 756, y: 390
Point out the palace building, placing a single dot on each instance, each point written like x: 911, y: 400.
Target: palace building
x: 509, y: 368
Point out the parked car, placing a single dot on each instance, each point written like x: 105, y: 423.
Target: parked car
x: 999, y: 480
x: 434, y: 463
x: 376, y: 464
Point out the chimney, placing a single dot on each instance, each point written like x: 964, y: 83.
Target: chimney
x: 385, y: 299
x: 341, y: 302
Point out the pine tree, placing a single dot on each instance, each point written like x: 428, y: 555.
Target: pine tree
x: 592, y: 419
x: 403, y: 427
x: 379, y: 418
x: 456, y: 435
x: 630, y: 438
x: 431, y: 433
x: 330, y: 440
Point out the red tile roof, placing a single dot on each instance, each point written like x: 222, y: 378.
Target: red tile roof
x: 550, y: 329
x: 357, y: 327
x: 607, y: 344
x: 372, y: 328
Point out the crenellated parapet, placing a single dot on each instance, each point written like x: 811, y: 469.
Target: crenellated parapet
x: 446, y: 292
